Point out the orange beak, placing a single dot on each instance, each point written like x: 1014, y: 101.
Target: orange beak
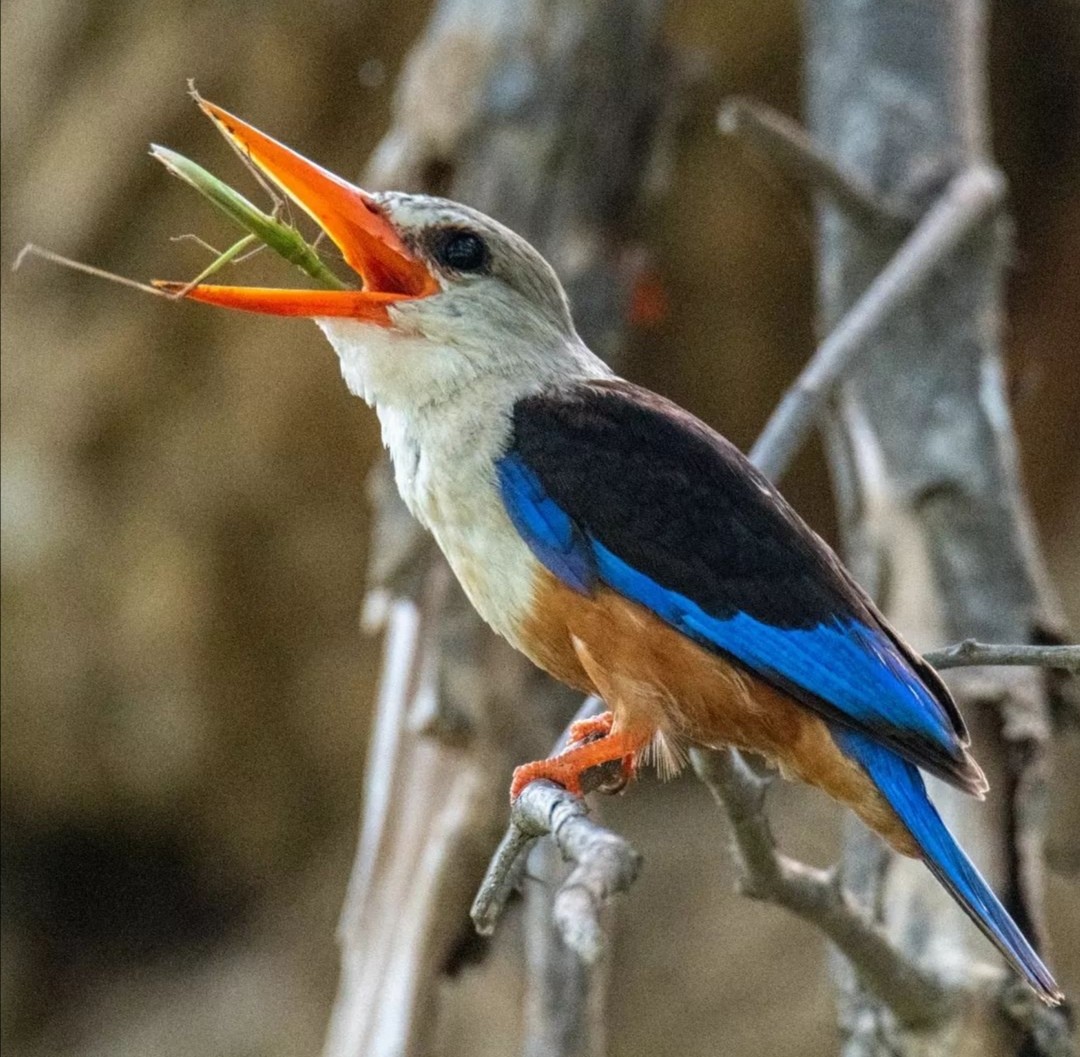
x: 353, y: 220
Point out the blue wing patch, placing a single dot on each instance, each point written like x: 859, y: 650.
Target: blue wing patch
x: 551, y: 535
x: 843, y: 663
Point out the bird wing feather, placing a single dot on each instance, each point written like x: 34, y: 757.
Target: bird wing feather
x: 610, y: 483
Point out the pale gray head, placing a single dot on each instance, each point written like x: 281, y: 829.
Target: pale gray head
x: 477, y: 260
x: 498, y: 313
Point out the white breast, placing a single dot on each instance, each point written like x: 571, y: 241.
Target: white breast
x: 445, y: 408
x: 444, y: 466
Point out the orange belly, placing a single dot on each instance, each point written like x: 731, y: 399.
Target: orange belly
x: 667, y: 691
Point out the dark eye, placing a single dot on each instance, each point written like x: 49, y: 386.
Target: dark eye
x: 462, y: 250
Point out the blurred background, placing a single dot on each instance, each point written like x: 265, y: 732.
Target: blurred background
x: 186, y: 687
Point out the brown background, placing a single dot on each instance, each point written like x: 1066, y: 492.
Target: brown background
x: 186, y: 690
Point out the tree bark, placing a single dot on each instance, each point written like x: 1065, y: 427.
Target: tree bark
x: 544, y: 115
x: 923, y: 455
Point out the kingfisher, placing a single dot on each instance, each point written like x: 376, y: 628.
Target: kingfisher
x: 619, y: 542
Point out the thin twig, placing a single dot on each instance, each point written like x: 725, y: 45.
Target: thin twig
x: 917, y: 998
x: 971, y: 653
x: 967, y: 201
x: 795, y: 153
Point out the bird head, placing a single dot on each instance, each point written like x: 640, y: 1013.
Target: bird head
x: 446, y: 294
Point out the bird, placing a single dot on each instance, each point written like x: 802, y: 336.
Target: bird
x: 620, y: 543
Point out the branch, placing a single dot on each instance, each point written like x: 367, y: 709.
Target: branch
x: 506, y: 163
x: 795, y: 153
x: 918, y: 999
x: 967, y: 201
x: 970, y: 653
x: 604, y: 864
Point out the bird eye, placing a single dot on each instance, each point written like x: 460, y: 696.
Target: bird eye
x: 463, y: 251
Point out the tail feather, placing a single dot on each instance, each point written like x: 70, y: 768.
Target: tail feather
x: 902, y: 785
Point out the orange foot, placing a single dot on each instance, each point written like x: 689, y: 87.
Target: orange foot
x: 591, y: 745
x: 590, y: 729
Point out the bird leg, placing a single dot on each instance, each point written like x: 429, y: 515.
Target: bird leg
x: 592, y: 744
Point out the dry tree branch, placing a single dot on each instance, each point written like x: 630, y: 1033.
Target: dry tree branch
x: 932, y: 508
x: 968, y: 200
x: 970, y: 653
x: 917, y: 998
x: 604, y: 863
x: 788, y: 147
x: 596, y: 86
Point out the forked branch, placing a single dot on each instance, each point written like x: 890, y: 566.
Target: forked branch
x: 604, y: 863
x: 815, y: 895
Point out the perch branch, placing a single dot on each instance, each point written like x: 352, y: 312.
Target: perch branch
x: 915, y: 997
x: 787, y: 145
x: 604, y: 864
x: 595, y: 87
x: 967, y: 201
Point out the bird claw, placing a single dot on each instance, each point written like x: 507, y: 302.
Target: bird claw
x: 591, y: 747
x: 590, y: 729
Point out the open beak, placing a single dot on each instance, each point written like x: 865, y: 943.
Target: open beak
x: 349, y: 216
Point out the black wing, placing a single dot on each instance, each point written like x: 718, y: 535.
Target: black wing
x: 665, y: 510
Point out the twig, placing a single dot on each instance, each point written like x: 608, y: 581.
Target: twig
x: 917, y: 998
x: 971, y: 653
x: 565, y: 996
x: 549, y: 147
x: 504, y: 872
x: 604, y: 864
x: 793, y: 151
x: 608, y: 864
x: 968, y: 199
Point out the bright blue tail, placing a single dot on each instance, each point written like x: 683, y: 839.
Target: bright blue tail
x: 902, y: 785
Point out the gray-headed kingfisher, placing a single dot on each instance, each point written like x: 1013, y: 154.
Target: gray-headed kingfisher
x: 617, y: 541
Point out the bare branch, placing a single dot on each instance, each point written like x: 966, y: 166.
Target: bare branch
x: 971, y: 653
x: 787, y: 145
x: 915, y: 997
x: 605, y: 861
x: 604, y: 864
x: 505, y: 871
x: 563, y: 993
x: 596, y: 89
x: 967, y: 201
